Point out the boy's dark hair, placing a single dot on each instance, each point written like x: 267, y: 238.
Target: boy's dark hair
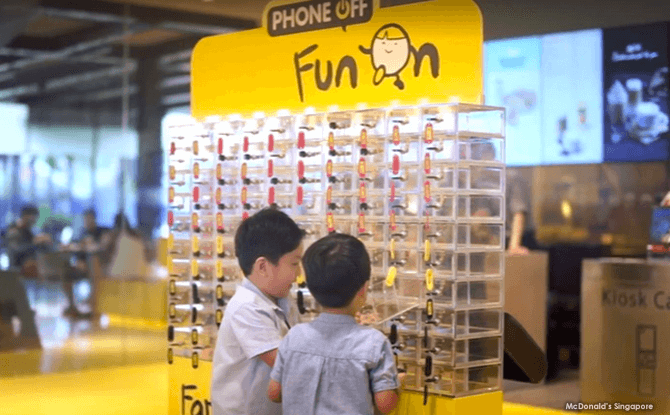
x: 269, y: 233
x: 90, y: 212
x: 30, y: 210
x: 336, y: 267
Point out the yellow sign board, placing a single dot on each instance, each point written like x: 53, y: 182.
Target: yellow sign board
x: 189, y: 388
x: 346, y: 53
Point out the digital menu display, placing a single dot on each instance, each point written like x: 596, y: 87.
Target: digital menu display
x: 635, y: 90
x: 512, y: 80
x: 571, y: 77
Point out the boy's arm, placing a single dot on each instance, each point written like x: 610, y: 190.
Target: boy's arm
x: 274, y: 387
x: 384, y: 380
x: 274, y: 391
x: 257, y: 334
x: 269, y: 357
x: 386, y: 401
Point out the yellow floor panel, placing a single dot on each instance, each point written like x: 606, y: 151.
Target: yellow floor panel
x: 134, y: 390
x: 84, y: 346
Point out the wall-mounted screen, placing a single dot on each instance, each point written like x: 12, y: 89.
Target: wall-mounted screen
x: 512, y: 80
x: 14, y: 127
x: 635, y: 89
x: 571, y: 78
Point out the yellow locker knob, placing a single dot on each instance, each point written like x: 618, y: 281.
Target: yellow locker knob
x: 426, y: 251
x: 194, y: 268
x: 219, y: 270
x: 301, y: 279
x: 390, y: 277
x: 195, y: 245
x: 392, y: 249
x: 430, y: 280
x: 219, y: 245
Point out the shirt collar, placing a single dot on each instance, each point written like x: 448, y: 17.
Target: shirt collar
x: 283, y: 303
x: 330, y: 318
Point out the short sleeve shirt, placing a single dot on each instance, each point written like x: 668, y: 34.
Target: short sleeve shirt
x: 19, y: 245
x: 333, y: 366
x: 252, y: 324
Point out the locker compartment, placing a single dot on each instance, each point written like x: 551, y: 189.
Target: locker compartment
x: 203, y: 269
x: 341, y: 148
x: 253, y: 179
x: 341, y: 177
x: 282, y: 178
x: 485, y: 179
x: 343, y: 206
x: 478, y: 293
x: 480, y: 323
x: 311, y: 126
x: 487, y: 264
x: 480, y: 207
x: 403, y: 176
x: 440, y: 234
x: 179, y: 291
x: 482, y: 150
x: 405, y: 235
x: 403, y: 132
x: 310, y: 204
x: 407, y: 205
x: 373, y: 175
x: 437, y: 204
x: 370, y: 230
x: 312, y: 154
x: 179, y: 268
x: 179, y: 175
x: 439, y: 174
x: 310, y: 178
x: 372, y: 204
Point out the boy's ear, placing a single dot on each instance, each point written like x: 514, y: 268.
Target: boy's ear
x: 363, y: 290
x: 260, y: 266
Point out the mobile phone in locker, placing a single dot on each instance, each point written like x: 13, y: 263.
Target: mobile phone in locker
x: 646, y: 359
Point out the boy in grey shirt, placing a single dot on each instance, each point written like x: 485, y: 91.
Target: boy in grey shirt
x: 332, y: 365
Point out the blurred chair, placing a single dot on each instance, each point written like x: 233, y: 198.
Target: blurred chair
x: 14, y: 304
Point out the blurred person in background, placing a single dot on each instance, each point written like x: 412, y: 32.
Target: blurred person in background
x: 127, y: 251
x: 94, y: 240
x: 22, y: 245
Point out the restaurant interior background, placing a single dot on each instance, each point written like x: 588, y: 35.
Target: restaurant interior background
x: 88, y: 87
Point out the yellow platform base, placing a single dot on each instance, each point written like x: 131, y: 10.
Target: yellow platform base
x: 191, y: 387
x: 411, y: 403
x: 143, y: 390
